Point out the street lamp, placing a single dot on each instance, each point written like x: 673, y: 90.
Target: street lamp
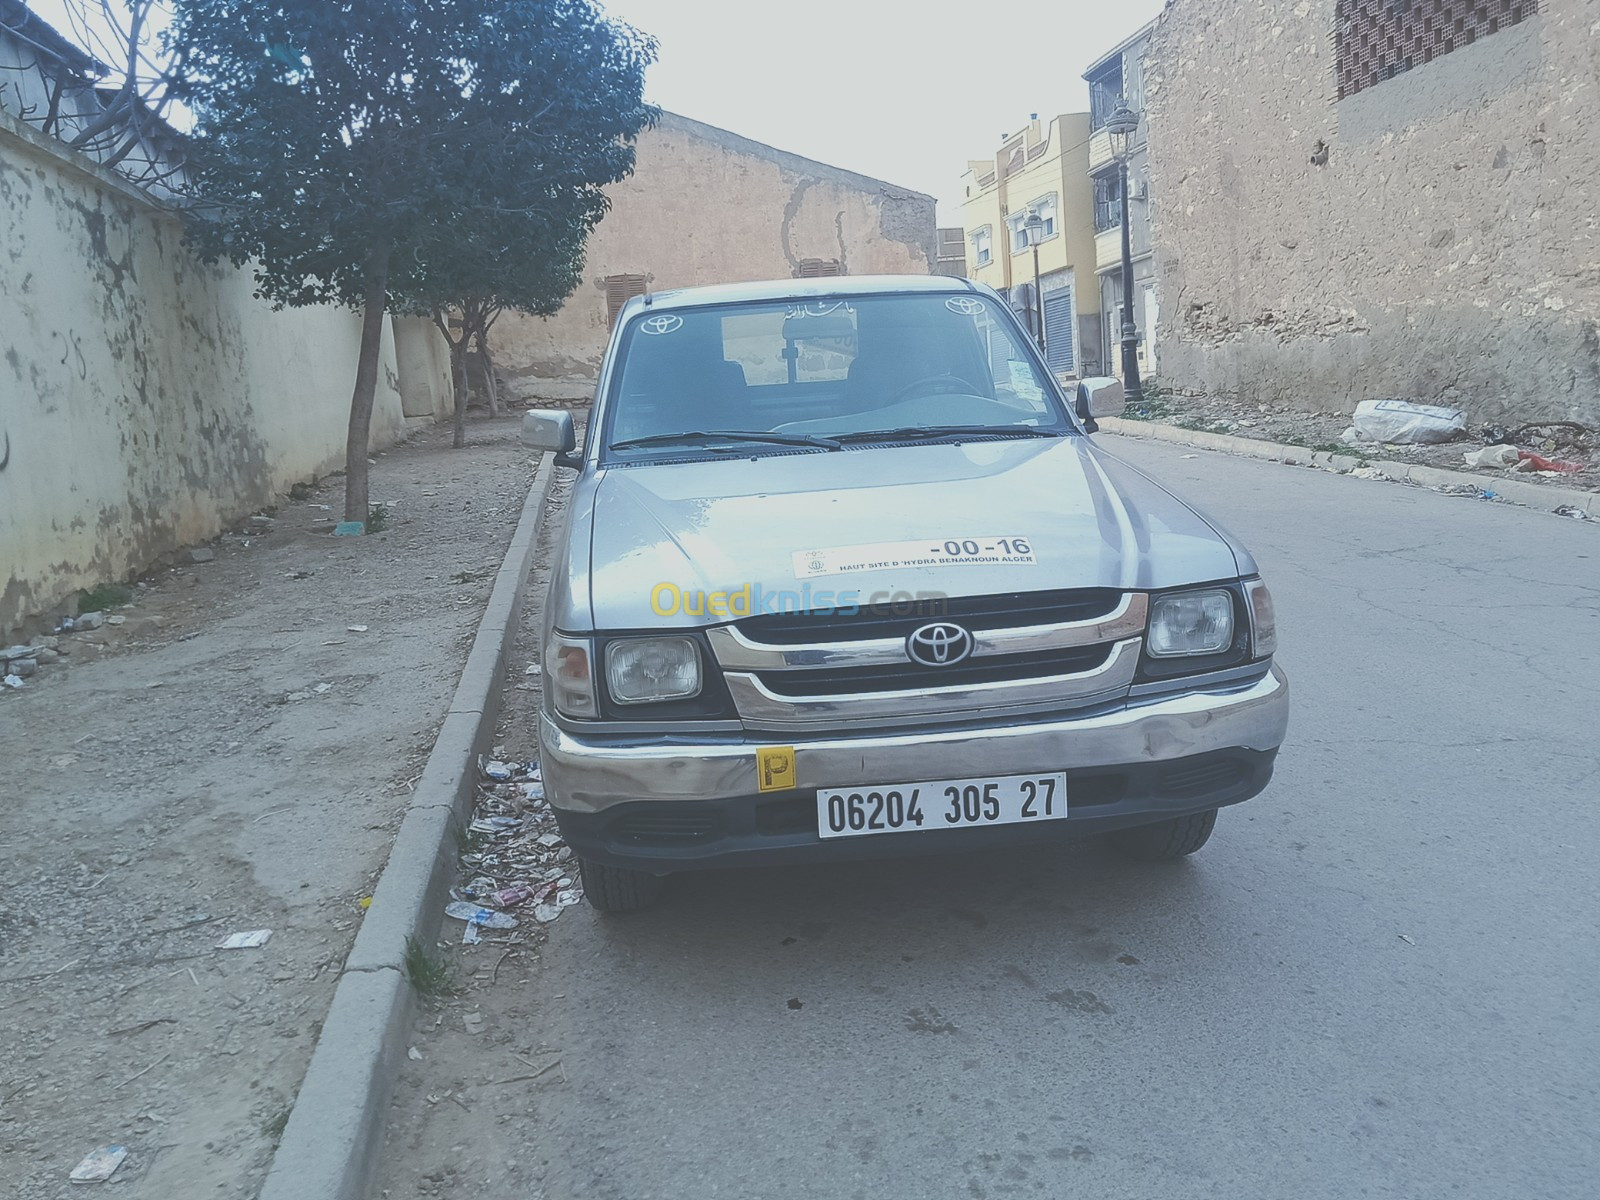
x: 1120, y: 127
x: 1034, y: 228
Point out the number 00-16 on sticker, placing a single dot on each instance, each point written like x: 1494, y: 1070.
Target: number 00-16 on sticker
x: 940, y: 804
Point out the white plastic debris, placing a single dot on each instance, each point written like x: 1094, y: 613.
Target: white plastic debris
x: 356, y: 628
x: 495, y: 826
x: 99, y: 1165
x: 1405, y: 423
x: 250, y: 939
x: 474, y: 914
x: 414, y: 1054
x: 1492, y: 456
x: 13, y: 681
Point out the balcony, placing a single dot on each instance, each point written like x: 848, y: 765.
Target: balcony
x: 1108, y: 248
x: 1099, y: 150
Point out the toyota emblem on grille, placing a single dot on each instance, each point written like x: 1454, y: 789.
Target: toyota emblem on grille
x: 938, y: 645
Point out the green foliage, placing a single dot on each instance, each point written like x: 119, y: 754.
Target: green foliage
x: 432, y: 141
x: 107, y: 595
x: 429, y: 973
x: 377, y: 518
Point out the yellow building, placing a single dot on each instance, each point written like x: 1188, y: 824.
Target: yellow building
x: 1043, y: 169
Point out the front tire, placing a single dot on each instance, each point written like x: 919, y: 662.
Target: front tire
x: 618, y: 889
x: 1167, y: 840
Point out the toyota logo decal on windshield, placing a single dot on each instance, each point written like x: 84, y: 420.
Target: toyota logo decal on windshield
x: 938, y: 645
x: 665, y: 323
x: 967, y: 306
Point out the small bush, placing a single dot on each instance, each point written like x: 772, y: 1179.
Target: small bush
x: 107, y: 595
x: 429, y: 973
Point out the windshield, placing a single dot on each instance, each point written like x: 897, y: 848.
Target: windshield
x: 906, y: 367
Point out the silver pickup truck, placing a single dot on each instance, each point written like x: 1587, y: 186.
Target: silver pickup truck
x: 843, y: 576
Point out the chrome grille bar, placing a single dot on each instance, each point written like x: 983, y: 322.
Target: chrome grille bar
x: 735, y: 651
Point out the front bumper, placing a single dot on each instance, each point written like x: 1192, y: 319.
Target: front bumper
x: 665, y: 803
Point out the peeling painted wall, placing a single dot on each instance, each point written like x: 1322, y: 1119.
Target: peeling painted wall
x: 146, y: 400
x: 1448, y: 250
x: 707, y: 206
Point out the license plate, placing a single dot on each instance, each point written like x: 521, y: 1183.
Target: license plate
x: 941, y: 804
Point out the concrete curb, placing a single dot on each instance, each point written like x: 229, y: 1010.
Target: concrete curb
x: 329, y: 1147
x: 1518, y: 491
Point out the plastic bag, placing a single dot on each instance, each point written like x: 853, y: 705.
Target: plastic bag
x: 1403, y: 422
x: 1491, y: 456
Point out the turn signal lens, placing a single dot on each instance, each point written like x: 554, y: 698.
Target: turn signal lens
x: 567, y: 668
x: 1263, y: 620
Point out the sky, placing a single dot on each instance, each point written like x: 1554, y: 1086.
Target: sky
x: 903, y: 90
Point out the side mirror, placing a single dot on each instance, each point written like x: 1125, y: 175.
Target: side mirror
x: 1099, y: 396
x: 549, y: 431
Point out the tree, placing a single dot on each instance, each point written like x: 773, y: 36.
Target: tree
x: 528, y: 261
x: 368, y: 152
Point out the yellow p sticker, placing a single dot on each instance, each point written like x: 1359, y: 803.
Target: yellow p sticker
x: 775, y: 768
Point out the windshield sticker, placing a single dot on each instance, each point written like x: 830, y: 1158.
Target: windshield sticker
x: 967, y: 306
x: 664, y: 323
x: 923, y: 552
x: 818, y: 308
x: 1023, y: 385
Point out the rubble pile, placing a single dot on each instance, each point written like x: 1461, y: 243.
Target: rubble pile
x: 19, y: 662
x: 516, y: 863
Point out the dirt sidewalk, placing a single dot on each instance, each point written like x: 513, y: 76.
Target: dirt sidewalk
x: 233, y: 756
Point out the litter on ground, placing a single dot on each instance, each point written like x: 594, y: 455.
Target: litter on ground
x: 248, y: 940
x: 99, y: 1165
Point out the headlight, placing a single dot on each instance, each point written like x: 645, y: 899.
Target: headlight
x: 1263, y: 620
x: 643, y: 670
x: 567, y: 669
x: 1184, y: 623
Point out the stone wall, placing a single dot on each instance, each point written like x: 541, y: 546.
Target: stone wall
x: 1447, y: 250
x: 147, y: 401
x: 707, y: 206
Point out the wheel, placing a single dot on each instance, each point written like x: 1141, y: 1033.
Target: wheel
x: 618, y: 889
x: 1166, y: 840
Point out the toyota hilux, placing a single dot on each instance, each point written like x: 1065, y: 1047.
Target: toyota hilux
x: 844, y: 574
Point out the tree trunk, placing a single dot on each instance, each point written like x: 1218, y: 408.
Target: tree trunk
x: 458, y: 372
x: 490, y: 387
x: 355, y: 447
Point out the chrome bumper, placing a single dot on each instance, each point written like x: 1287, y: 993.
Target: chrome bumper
x: 589, y: 776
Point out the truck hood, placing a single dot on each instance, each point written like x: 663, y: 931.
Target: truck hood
x: 716, y: 527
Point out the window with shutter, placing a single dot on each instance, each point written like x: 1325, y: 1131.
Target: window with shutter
x: 817, y: 268
x: 619, y: 290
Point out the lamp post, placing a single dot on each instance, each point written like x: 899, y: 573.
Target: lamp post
x: 1034, y: 228
x: 1120, y: 127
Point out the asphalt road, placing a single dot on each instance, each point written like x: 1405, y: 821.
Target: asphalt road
x: 1380, y: 979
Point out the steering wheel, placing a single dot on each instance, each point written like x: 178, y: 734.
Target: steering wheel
x: 946, y: 384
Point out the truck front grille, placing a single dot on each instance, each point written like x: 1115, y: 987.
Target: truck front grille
x: 1006, y: 611
x: 1029, y: 652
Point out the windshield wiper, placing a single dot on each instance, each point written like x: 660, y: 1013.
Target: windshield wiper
x: 917, y: 433
x: 779, y: 439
